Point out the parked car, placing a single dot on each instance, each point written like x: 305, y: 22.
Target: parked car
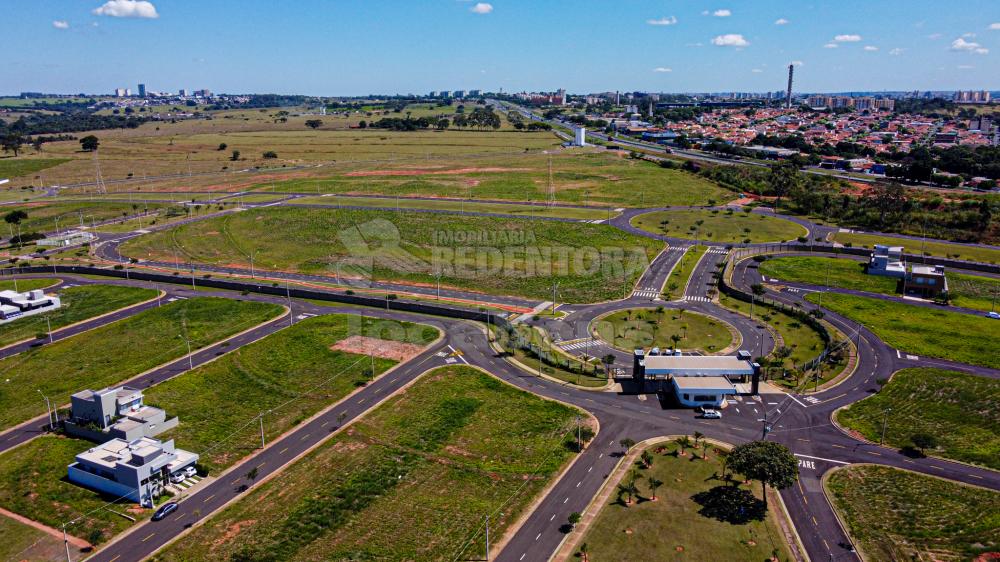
x: 993, y: 315
x: 165, y: 510
x: 711, y: 414
x: 178, y: 477
x: 190, y: 471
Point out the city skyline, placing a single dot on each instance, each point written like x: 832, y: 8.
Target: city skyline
x: 650, y: 46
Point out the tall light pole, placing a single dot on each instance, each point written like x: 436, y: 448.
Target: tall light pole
x: 48, y: 409
x: 188, y: 342
x: 885, y: 421
x: 487, y: 538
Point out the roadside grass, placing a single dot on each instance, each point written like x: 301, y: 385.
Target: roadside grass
x: 830, y: 272
x: 24, y: 285
x: 549, y: 360
x: 974, y: 291
x: 16, y: 167
x: 78, y: 303
x: 648, y: 327
x: 291, y: 375
x: 42, y: 215
x: 512, y: 256
x: 679, y: 277
x: 718, y: 226
x: 899, y: 515
x: 402, y: 203
x: 962, y: 411
x: 412, y: 480
x: 917, y: 246
x: 921, y: 330
x: 33, y: 483
x: 674, y: 527
x: 118, y: 351
x: 23, y: 542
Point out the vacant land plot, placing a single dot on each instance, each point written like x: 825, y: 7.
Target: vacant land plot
x: 916, y: 246
x: 33, y: 484
x: 899, y: 515
x: 682, y: 523
x: 579, y: 177
x: 495, y: 255
x: 118, y: 351
x: 17, y: 167
x: 402, y: 203
x: 291, y: 374
x: 973, y: 291
x: 24, y: 542
x: 718, y: 226
x: 411, y: 481
x: 678, y: 280
x: 961, y: 411
x: 78, y: 303
x: 43, y: 216
x: 831, y: 272
x: 922, y: 330
x: 647, y: 327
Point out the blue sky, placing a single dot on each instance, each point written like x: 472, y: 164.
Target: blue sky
x: 339, y: 47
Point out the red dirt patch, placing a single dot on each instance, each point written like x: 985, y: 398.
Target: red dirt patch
x: 386, y: 349
x: 426, y: 172
x: 232, y: 531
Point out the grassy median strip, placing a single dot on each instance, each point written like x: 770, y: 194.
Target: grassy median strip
x: 78, y: 304
x: 411, y: 481
x: 24, y: 285
x: 917, y: 246
x: 681, y: 273
x: 589, y: 262
x: 648, y: 327
x: 290, y: 374
x: 899, y: 515
x: 922, y: 330
x: 117, y: 351
x: 404, y: 203
x: 719, y: 226
x: 961, y: 411
x: 689, y: 519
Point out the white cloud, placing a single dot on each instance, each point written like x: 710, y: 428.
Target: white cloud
x: 969, y: 35
x: 797, y: 63
x: 699, y: 44
x: 730, y: 40
x: 663, y: 21
x: 481, y: 8
x: 60, y: 24
x: 847, y: 38
x: 830, y: 46
x: 662, y: 69
x: 897, y: 51
x: 871, y: 48
x: 965, y: 67
x: 127, y: 9
x: 722, y: 13
x: 968, y: 46
x: 781, y: 21
x: 756, y: 71
x: 995, y: 26
x: 934, y: 36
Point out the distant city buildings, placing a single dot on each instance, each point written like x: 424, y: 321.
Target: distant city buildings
x: 971, y: 96
x: 142, y: 90
x: 865, y: 103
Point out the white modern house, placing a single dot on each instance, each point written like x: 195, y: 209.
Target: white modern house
x: 14, y: 305
x: 67, y: 239
x: 115, y: 413
x: 887, y: 261
x: 137, y: 470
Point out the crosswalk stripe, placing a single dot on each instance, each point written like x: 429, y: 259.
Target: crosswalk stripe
x: 696, y: 299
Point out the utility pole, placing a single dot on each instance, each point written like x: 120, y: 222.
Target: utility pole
x: 487, y: 538
x: 579, y: 442
x: 66, y: 544
x: 261, y: 418
x: 555, y: 287
x: 885, y: 421
x: 48, y: 410
x: 49, y: 324
x: 188, y: 342
x: 288, y: 294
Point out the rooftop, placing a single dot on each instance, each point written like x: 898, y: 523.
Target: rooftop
x: 697, y: 365
x: 703, y: 383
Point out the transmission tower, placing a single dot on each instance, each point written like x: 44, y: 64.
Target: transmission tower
x: 101, y: 188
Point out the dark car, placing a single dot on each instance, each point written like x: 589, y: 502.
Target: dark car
x: 165, y: 510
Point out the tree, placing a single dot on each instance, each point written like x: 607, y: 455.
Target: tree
x: 223, y: 146
x: 362, y: 124
x: 584, y: 551
x: 646, y: 459
x: 757, y: 289
x: 574, y: 518
x: 15, y: 217
x: 675, y: 338
x: 314, y: 123
x: 683, y: 442
x: 608, y: 360
x: 12, y: 142
x: 887, y: 199
x: 252, y: 475
x: 89, y: 143
x: 442, y: 124
x: 923, y: 441
x: 771, y: 463
x: 783, y: 179
x: 585, y: 434
x: 270, y: 154
x: 235, y: 156
x: 627, y: 443
x: 653, y: 485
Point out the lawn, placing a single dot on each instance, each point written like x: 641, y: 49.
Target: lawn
x: 412, y: 480
x: 33, y: 483
x: 961, y: 411
x: 512, y: 256
x: 916, y: 246
x: 648, y: 327
x: 24, y: 285
x: 15, y: 167
x: 118, y: 351
x: 402, y: 203
x: 23, y: 542
x: 973, y: 291
x: 921, y: 330
x: 718, y: 226
x: 78, y: 304
x: 43, y: 215
x: 895, y: 514
x: 676, y: 526
x: 291, y: 374
x: 678, y: 280
x: 830, y: 272
x: 534, y: 350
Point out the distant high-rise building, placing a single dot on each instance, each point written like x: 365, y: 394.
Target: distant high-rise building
x: 120, y: 92
x: 475, y: 93
x: 458, y: 93
x: 182, y: 93
x: 788, y: 92
x: 432, y: 94
x: 142, y: 90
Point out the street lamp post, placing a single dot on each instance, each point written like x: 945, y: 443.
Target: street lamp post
x: 48, y: 409
x: 885, y: 421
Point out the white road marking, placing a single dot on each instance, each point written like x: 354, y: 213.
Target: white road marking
x: 821, y: 459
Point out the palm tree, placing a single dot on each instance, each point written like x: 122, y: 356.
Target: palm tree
x: 724, y: 460
x: 675, y: 338
x: 698, y: 436
x: 653, y: 485
x: 583, y: 553
x: 647, y: 459
x: 683, y: 442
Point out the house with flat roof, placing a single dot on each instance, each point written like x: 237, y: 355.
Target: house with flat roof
x: 926, y: 280
x: 115, y: 413
x: 696, y: 380
x: 136, y: 470
x: 887, y: 261
x: 14, y: 305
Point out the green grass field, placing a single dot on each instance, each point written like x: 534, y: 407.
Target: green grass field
x: 33, y: 483
x: 452, y: 205
x: 962, y: 411
x: 921, y: 330
x: 673, y: 527
x: 23, y: 542
x: 649, y: 327
x: 974, y: 291
x: 494, y: 255
x: 718, y: 226
x: 292, y: 374
x: 898, y: 515
x: 678, y: 280
x: 16, y: 167
x: 78, y: 303
x: 410, y: 481
x: 831, y: 272
x: 42, y: 215
x: 913, y: 246
x: 24, y: 285
x: 117, y: 351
